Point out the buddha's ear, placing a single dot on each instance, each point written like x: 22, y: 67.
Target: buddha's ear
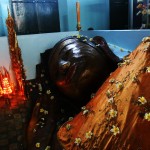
x: 100, y: 40
x: 102, y: 44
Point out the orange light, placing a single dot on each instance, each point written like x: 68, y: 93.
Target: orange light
x: 6, y: 86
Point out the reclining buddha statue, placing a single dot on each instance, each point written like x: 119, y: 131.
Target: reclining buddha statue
x: 69, y: 74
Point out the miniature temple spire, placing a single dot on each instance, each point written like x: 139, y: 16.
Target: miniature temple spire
x: 15, y: 55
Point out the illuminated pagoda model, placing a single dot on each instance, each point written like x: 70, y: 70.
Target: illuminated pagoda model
x: 15, y: 56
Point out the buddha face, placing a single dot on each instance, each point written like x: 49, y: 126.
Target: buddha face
x: 76, y: 68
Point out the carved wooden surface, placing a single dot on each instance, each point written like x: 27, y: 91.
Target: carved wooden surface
x: 118, y: 117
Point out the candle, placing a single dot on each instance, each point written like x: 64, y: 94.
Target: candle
x: 78, y: 12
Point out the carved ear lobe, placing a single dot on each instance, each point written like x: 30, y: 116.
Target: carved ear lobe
x: 101, y: 43
x: 100, y: 40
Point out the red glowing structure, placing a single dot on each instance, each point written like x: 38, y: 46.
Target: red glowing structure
x: 5, y: 83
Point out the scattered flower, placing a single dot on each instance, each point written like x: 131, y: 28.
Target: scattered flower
x: 111, y: 80
x: 33, y: 85
x: 70, y: 118
x: 145, y: 39
x: 37, y: 104
x: 77, y: 141
x: 41, y: 110
x: 52, y: 97
x: 42, y: 75
x: 30, y: 83
x: 45, y: 112
x: 115, y: 130
x: 47, y: 148
x: 68, y: 127
x: 111, y: 100
x: 135, y: 79
x: 83, y: 108
x: 97, y: 45
x: 84, y: 40
x: 120, y: 64
x: 40, y: 87
x: 112, y: 113
x: 78, y: 36
x: 147, y: 116
x: 88, y: 135
x: 37, y: 145
x: 48, y: 92
x: 85, y: 111
x: 127, y: 62
x: 109, y: 93
x: 34, y: 130
x: 148, y: 69
x: 92, y: 95
x: 91, y: 39
x: 43, y: 119
x: 119, y: 85
x: 142, y: 100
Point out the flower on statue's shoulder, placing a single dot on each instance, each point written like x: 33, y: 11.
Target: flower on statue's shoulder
x: 77, y: 141
x: 115, y: 130
x: 68, y: 126
x: 113, y: 113
x: 148, y: 69
x: 142, y: 100
x: 147, y: 116
x: 89, y: 135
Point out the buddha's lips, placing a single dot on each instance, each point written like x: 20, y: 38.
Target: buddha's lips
x: 70, y: 73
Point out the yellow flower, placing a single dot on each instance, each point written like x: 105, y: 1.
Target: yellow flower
x: 52, y: 97
x: 78, y: 36
x: 88, y: 135
x: 45, y: 112
x: 148, y: 69
x: 111, y: 100
x: 85, y: 111
x: 41, y: 110
x: 84, y: 40
x: 147, y: 116
x: 91, y: 39
x: 109, y: 93
x: 112, y: 80
x: 115, y: 130
x: 37, y: 104
x: 37, y: 145
x: 77, y: 141
x: 112, y: 113
x: 47, y: 148
x: 83, y: 108
x: 92, y: 95
x: 142, y: 100
x: 48, y: 92
x: 68, y: 126
x: 119, y: 85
